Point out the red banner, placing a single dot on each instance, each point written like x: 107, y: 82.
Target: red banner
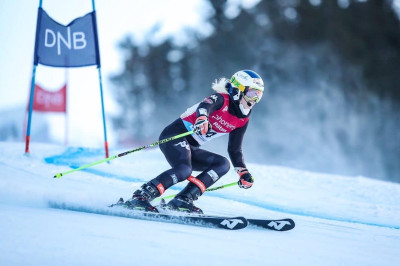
x: 50, y: 101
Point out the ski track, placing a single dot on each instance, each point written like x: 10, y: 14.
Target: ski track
x: 70, y: 154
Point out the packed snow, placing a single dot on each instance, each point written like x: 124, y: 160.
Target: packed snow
x: 340, y: 220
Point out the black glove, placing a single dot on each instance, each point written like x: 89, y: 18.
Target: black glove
x: 245, y: 178
x: 201, y: 126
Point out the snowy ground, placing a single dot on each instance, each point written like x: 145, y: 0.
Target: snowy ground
x: 339, y: 220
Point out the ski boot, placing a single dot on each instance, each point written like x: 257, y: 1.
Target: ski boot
x: 184, y: 200
x: 142, y: 197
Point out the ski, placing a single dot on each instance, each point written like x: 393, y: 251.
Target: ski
x: 232, y: 223
x: 213, y: 221
x: 276, y: 225
x: 229, y: 223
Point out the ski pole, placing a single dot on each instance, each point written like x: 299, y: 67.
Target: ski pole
x: 59, y: 175
x: 208, y: 189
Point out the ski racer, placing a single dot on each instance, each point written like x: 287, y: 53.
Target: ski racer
x: 227, y: 111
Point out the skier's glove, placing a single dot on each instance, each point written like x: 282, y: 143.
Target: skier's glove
x: 245, y: 178
x: 201, y: 126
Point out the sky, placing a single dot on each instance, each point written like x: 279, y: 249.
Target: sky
x: 115, y: 20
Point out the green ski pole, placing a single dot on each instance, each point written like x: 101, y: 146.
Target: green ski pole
x: 59, y: 175
x: 208, y: 189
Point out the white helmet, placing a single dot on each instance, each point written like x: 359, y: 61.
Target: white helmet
x: 247, y: 78
x: 249, y: 84
x: 245, y: 84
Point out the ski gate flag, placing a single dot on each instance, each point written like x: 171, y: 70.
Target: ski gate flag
x: 50, y: 101
x: 73, y: 45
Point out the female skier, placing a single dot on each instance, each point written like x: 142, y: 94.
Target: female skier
x: 226, y: 111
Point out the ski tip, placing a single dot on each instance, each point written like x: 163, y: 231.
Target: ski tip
x: 275, y: 225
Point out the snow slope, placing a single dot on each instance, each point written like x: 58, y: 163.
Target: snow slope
x: 339, y: 220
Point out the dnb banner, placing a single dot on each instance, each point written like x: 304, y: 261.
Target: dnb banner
x: 73, y: 45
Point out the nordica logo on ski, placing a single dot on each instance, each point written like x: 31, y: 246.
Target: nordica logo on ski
x: 278, y: 225
x: 231, y: 223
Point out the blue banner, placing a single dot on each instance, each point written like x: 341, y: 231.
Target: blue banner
x: 73, y: 45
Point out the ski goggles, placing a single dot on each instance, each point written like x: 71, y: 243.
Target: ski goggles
x: 252, y: 95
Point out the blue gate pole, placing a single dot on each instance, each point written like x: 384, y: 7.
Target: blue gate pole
x: 100, y: 80
x: 103, y: 113
x: 32, y: 92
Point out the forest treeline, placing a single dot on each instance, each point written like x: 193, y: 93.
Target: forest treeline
x: 331, y: 69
